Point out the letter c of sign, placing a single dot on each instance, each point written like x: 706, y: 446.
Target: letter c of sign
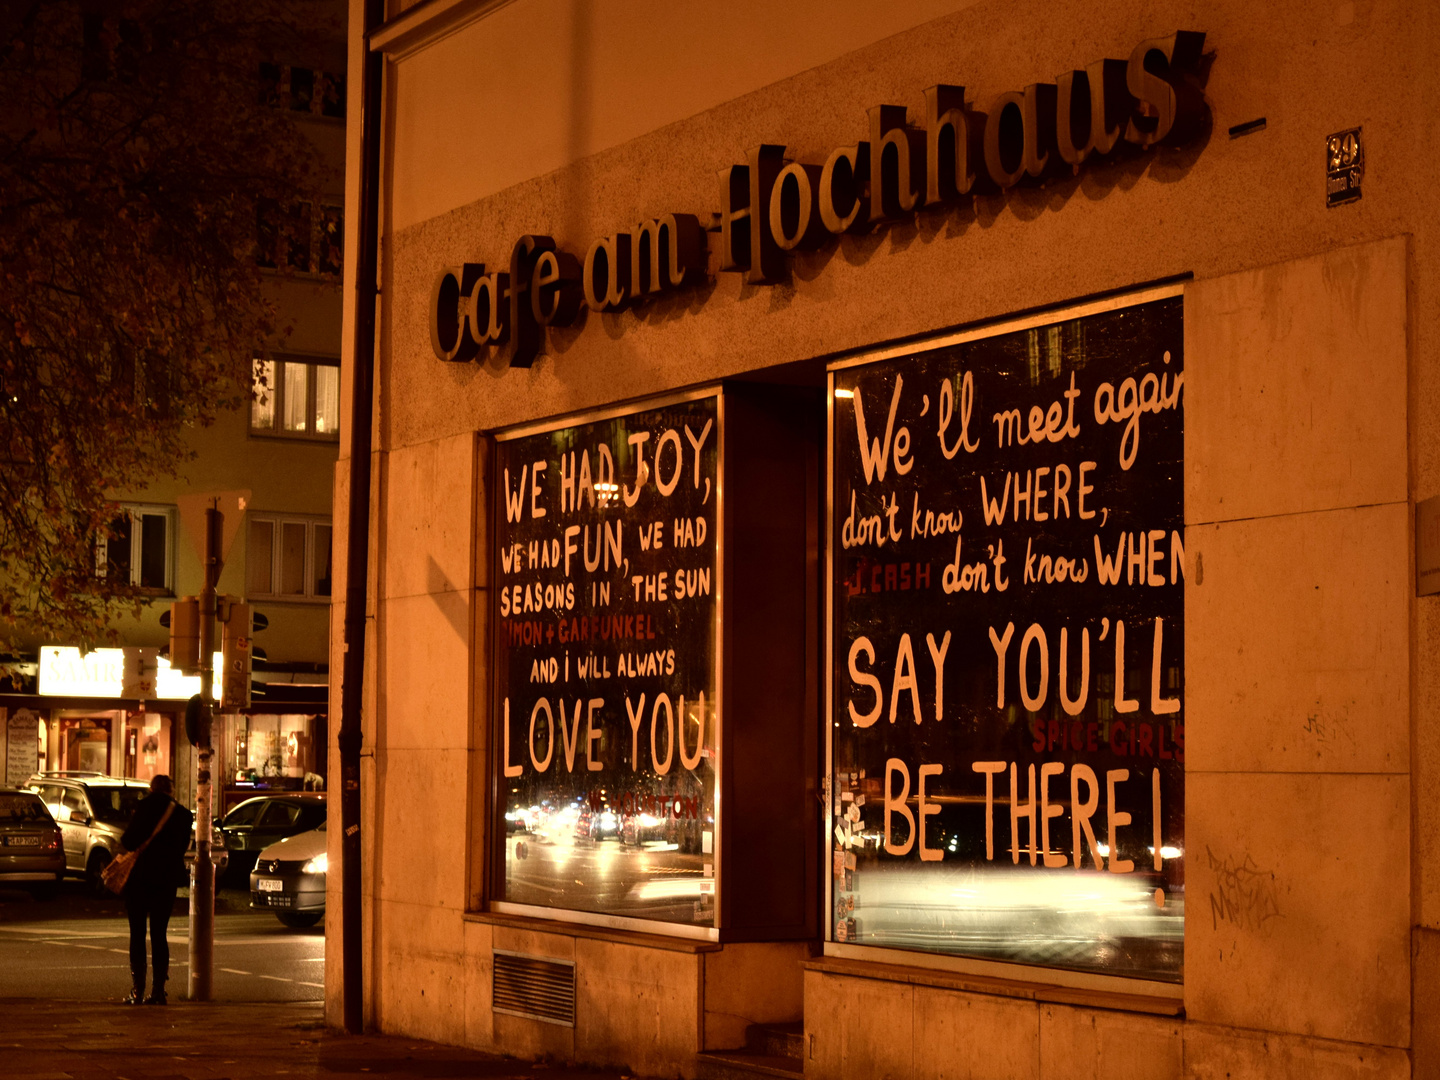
x: 450, y: 304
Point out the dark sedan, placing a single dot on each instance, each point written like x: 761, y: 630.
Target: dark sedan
x: 257, y: 823
x: 32, y: 852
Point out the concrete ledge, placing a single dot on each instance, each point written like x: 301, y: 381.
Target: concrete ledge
x: 593, y: 933
x: 996, y: 987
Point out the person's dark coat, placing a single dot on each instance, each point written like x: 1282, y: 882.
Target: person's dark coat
x: 162, y: 864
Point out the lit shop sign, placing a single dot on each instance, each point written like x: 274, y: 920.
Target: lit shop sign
x: 64, y: 672
x: 771, y: 206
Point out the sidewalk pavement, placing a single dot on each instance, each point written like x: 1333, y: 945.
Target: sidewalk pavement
x: 104, y: 1040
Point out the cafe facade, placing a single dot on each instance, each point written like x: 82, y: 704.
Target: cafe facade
x: 906, y: 528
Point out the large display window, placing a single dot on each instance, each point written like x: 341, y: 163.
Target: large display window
x: 606, y: 657
x: 654, y: 621
x: 1006, y: 688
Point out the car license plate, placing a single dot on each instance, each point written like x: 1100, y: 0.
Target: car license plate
x: 268, y: 885
x: 22, y: 841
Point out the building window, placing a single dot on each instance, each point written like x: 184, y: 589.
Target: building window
x: 297, y: 237
x: 296, y: 397
x: 288, y: 558
x: 138, y: 548
x: 111, y: 49
x: 329, y: 261
x: 302, y: 90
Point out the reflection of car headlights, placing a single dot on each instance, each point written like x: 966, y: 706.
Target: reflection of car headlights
x: 318, y: 865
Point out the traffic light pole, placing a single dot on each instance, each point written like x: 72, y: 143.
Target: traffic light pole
x: 202, y: 884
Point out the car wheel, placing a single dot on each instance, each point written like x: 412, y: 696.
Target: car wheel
x: 99, y: 859
x: 299, y: 920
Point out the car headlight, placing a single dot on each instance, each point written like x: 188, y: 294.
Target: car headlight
x: 318, y: 865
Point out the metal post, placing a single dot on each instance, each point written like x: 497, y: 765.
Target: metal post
x: 202, y: 881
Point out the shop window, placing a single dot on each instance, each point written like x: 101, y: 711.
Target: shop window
x: 148, y: 738
x: 276, y: 751
x: 295, y: 398
x: 288, y: 558
x: 84, y: 744
x: 138, y: 549
x: 609, y: 687
x: 1007, y: 723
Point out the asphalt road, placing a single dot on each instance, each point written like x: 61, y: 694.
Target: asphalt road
x: 77, y: 947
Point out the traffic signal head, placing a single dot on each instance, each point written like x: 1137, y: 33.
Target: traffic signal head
x: 185, y: 635
x: 235, y: 644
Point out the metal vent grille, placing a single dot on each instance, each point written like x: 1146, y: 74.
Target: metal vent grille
x: 535, y: 986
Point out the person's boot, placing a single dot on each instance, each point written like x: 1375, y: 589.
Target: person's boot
x: 137, y: 991
x: 157, y: 994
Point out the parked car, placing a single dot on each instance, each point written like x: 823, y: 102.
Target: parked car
x: 92, y: 811
x: 597, y: 825
x: 219, y: 857
x: 259, y: 822
x: 32, y: 848
x: 289, y: 879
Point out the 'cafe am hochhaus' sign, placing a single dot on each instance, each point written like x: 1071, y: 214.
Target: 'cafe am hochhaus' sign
x: 770, y: 207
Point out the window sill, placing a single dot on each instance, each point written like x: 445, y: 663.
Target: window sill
x: 308, y: 277
x: 592, y: 933
x: 998, y: 987
x: 148, y: 594
x: 296, y: 437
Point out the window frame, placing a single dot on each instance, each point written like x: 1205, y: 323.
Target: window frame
x: 275, y: 392
x: 277, y: 523
x: 137, y: 512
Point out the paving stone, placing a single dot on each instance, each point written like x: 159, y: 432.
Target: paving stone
x: 104, y: 1040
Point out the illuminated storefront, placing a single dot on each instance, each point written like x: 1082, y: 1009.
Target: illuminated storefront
x: 98, y: 711
x: 908, y: 538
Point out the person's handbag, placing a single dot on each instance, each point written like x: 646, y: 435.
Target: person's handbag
x: 117, y: 870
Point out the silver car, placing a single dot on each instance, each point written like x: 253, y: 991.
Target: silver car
x: 93, y: 810
x: 289, y: 879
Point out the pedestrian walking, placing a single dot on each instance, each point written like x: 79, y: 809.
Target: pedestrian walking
x: 160, y: 833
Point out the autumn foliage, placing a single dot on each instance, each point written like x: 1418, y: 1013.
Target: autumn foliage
x: 134, y: 151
